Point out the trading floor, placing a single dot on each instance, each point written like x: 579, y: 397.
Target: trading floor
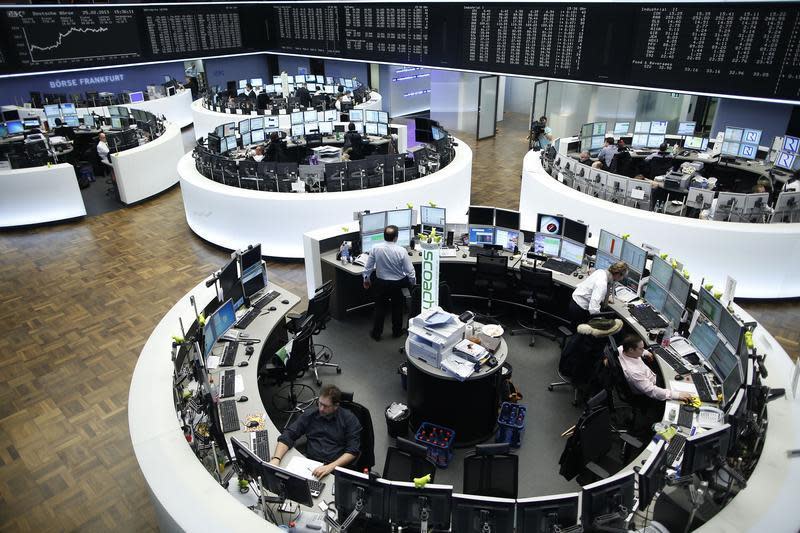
x: 80, y: 299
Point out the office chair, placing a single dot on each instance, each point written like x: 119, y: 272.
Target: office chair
x: 637, y: 403
x: 406, y: 461
x: 319, y: 312
x: 659, y: 166
x: 491, y: 471
x: 537, y: 291
x: 289, y: 399
x: 491, y: 274
x: 622, y: 163
x: 366, y: 456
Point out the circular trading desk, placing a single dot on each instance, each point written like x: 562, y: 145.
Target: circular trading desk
x: 206, y: 119
x: 40, y: 194
x: 762, y: 258
x: 232, y: 217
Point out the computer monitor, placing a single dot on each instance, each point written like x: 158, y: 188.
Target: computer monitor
x: 480, y: 216
x: 653, y: 475
x: 116, y: 122
x: 433, y: 216
x: 542, y: 514
x: 577, y: 231
x: 622, y: 128
x: 370, y: 116
x: 705, y: 450
x: 15, y: 127
x: 217, y: 324
x: 505, y: 218
x: 310, y: 116
x: 357, y: 115
x: 310, y: 128
x: 325, y: 128
x: 604, y: 260
x: 370, y: 239
x: 613, y: 495
x: 407, y: 503
x: 480, y: 235
x: 136, y: 97
x: 269, y: 122
x: 231, y: 284
x: 661, y: 272
x: 356, y: 490
x: 709, y: 306
x: 383, y: 117
x: 610, y: 243
x: 383, y: 129
x: 250, y: 258
x: 373, y: 222
x: 53, y: 110
x: 277, y: 79
x: 655, y: 295
x: 348, y: 83
x: 655, y: 141
x: 546, y: 244
x: 641, y: 127
x: 633, y: 256
x: 639, y: 140
x: 479, y: 514
x: 371, y: 128
x: 789, y: 144
x: 680, y: 287
x: 731, y: 329
x: 88, y: 120
x: 244, y: 126
x: 404, y: 237
x: 297, y: 118
x: 508, y: 239
x: 788, y: 161
x: 298, y: 130
x: 72, y: 121
x: 286, y: 485
x: 32, y: 122
x: 254, y: 280
x: 572, y: 251
x: 686, y: 128
x: 257, y: 136
x: 228, y: 129
x: 247, y: 139
x: 704, y: 338
x: 214, y: 143
x: 400, y: 218
x: 331, y: 115
x: 256, y: 82
x: 696, y: 143
x: 673, y: 310
x: 285, y: 122
x: 725, y: 364
x: 231, y: 141
x: 741, y: 142
x: 552, y: 224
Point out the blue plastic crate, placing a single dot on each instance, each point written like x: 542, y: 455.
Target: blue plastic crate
x: 439, y: 442
x: 511, y: 424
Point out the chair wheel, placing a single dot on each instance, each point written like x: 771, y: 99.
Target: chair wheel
x: 319, y: 383
x: 550, y: 388
x: 338, y: 370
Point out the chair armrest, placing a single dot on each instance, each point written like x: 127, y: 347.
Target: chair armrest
x: 632, y: 441
x: 597, y: 470
x: 293, y: 315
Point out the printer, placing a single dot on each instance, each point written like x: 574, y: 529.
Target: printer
x: 432, y: 335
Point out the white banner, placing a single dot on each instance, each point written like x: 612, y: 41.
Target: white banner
x: 430, y: 275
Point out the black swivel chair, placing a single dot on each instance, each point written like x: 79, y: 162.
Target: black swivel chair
x: 491, y: 275
x: 537, y: 291
x: 319, y: 311
x: 407, y: 461
x: 622, y: 163
x: 491, y: 471
x: 295, y: 398
x: 659, y: 166
x: 618, y: 384
x: 366, y: 456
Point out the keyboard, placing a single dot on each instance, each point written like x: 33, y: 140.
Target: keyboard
x: 675, y: 362
x: 685, y: 417
x: 447, y: 252
x: 647, y: 317
x: 565, y: 267
x: 316, y: 487
x: 227, y: 384
x: 259, y: 443
x: 262, y: 302
x: 704, y: 390
x: 228, y: 416
x: 675, y: 448
x: 229, y: 355
x: 247, y: 318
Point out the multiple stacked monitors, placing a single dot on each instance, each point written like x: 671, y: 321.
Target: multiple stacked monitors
x: 686, y: 128
x: 217, y: 324
x: 562, y: 237
x: 490, y: 226
x: 649, y: 134
x: 287, y: 485
x: 788, y: 157
x: 699, y: 144
x: 719, y: 355
x: 612, y: 248
x: 592, y: 136
x: 741, y: 142
x: 622, y: 128
x: 432, y: 217
x: 667, y: 290
x: 727, y: 324
x: 373, y: 224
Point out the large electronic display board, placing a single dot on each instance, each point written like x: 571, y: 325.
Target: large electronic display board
x: 737, y: 49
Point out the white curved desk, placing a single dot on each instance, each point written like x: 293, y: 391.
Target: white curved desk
x: 232, y: 217
x: 38, y: 195
x: 762, y: 258
x: 148, y: 169
x: 206, y: 120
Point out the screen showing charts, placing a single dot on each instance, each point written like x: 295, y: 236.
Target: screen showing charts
x: 696, y: 143
x: 544, y: 244
x: 481, y: 235
x: 679, y: 287
x: 572, y: 251
x: 656, y: 295
x: 686, y: 128
x: 400, y: 218
x: 661, y: 271
x: 741, y: 142
x: 709, y: 306
x: 372, y: 222
x: 610, y: 243
x: 704, y: 338
x: 622, y: 128
x: 508, y: 239
x: 633, y: 256
x: 369, y: 240
x: 432, y: 216
x: 604, y: 260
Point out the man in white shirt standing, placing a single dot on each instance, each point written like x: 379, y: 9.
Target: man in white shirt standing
x: 591, y: 294
x: 393, y: 271
x: 104, y: 154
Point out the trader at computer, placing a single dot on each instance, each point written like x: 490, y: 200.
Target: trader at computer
x: 641, y: 379
x: 333, y: 435
x: 274, y: 151
x: 585, y: 158
x: 258, y: 154
x: 591, y: 295
x: 249, y: 92
x: 354, y: 141
x: 103, y: 153
x: 606, y: 154
x: 303, y: 96
x: 63, y: 131
x: 393, y: 271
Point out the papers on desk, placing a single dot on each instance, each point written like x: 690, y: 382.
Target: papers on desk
x: 212, y: 362
x: 437, y: 318
x: 472, y: 351
x: 683, y: 386
x: 303, y: 466
x: 447, y: 252
x: 681, y: 346
x: 624, y: 294
x: 458, y: 367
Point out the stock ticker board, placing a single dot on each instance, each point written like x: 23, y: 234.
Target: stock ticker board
x: 742, y: 49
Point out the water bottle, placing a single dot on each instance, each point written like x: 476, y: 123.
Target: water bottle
x: 213, y: 390
x: 667, y: 335
x: 345, y: 254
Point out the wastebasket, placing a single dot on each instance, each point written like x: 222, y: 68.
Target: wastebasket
x: 398, y: 426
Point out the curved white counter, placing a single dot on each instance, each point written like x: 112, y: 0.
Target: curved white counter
x: 40, y: 194
x: 149, y: 169
x: 206, y: 120
x: 232, y: 217
x: 762, y: 258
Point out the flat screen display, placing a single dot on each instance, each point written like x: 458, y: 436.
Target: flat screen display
x: 480, y: 216
x: 372, y: 222
x: 546, y: 244
x: 572, y: 251
x: 400, y: 218
x: 686, y: 128
x: 481, y: 235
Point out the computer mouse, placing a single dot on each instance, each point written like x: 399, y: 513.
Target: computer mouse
x: 253, y: 424
x: 243, y: 363
x: 249, y: 350
x: 463, y: 256
x: 580, y: 276
x: 575, y: 273
x: 678, y: 378
x: 284, y: 302
x: 410, y: 253
x: 272, y: 308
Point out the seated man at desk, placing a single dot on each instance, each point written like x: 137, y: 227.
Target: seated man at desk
x: 606, y: 154
x: 393, y: 271
x: 585, y: 158
x: 642, y: 380
x: 591, y: 294
x: 275, y: 151
x: 353, y: 140
x: 63, y: 131
x: 333, y: 435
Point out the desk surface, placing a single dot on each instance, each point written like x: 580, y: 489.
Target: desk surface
x: 501, y: 354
